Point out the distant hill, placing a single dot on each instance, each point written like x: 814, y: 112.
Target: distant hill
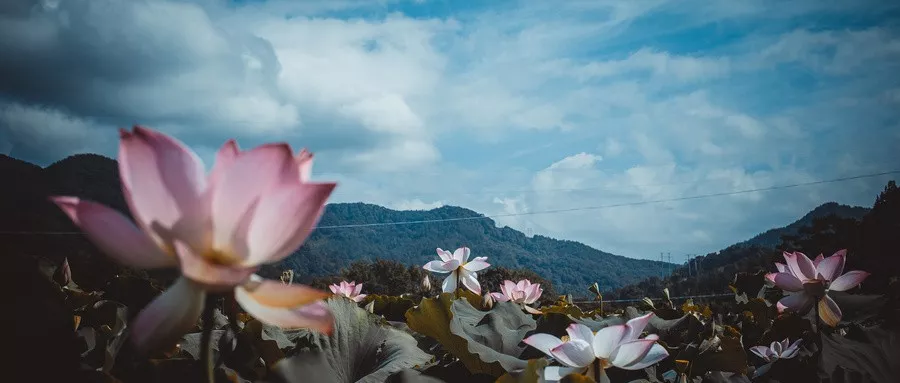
x: 711, y: 273
x: 772, y: 238
x: 571, y: 266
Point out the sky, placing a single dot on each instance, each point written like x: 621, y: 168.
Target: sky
x: 502, y: 107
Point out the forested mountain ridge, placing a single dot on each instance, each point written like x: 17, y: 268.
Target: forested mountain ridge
x: 571, y: 266
x: 772, y: 237
x: 869, y: 235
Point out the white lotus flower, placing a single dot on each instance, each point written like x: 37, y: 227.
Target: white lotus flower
x: 617, y: 346
x: 460, y: 268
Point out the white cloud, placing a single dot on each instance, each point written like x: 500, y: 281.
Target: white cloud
x: 585, y: 96
x: 661, y: 64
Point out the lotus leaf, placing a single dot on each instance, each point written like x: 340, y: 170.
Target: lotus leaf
x: 432, y: 318
x: 360, y: 349
x: 494, y: 336
x: 390, y: 307
x: 530, y: 374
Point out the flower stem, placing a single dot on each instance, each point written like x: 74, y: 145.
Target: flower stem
x: 598, y: 369
x: 457, y: 285
x: 206, y: 338
x: 818, y: 334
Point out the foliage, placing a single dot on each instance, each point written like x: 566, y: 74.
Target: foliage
x: 361, y: 349
x: 77, y: 320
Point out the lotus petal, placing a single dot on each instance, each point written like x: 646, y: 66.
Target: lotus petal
x: 168, y: 317
x: 848, y: 281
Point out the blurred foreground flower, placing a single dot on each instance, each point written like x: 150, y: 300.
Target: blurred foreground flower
x: 255, y: 207
x: 460, y: 268
x: 777, y: 350
x: 348, y: 289
x: 591, y: 354
x: 524, y: 293
x: 808, y: 283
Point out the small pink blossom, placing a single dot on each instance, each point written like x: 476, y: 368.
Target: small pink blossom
x: 523, y: 293
x: 348, y: 289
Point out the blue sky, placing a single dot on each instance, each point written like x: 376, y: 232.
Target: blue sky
x: 498, y: 106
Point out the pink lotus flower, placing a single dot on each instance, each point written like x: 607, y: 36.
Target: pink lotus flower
x: 777, y: 350
x: 460, y: 269
x: 617, y: 346
x: 350, y: 290
x: 807, y: 281
x: 523, y: 293
x: 255, y: 207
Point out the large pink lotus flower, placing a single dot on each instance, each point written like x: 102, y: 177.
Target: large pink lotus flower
x: 461, y: 269
x: 255, y: 207
x: 523, y: 293
x: 348, y: 289
x: 617, y: 346
x: 777, y: 350
x: 807, y: 281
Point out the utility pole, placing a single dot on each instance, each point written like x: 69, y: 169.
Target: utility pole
x: 662, y: 270
x: 671, y: 266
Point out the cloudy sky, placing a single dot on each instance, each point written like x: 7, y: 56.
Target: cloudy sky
x: 498, y: 106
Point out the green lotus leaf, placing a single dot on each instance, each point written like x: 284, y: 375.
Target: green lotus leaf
x: 857, y: 307
x: 872, y: 353
x: 411, y: 376
x: 432, y: 318
x: 563, y: 307
x: 731, y: 357
x: 360, y: 349
x: 260, y: 337
x: 494, y: 336
x: 530, y: 374
x: 190, y: 343
x: 392, y: 308
x: 595, y: 324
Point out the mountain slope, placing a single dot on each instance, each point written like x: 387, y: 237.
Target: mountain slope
x: 711, y: 273
x: 571, y: 266
x: 772, y: 238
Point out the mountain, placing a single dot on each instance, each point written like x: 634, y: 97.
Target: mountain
x: 772, y: 238
x: 36, y: 223
x: 571, y: 266
x: 712, y: 273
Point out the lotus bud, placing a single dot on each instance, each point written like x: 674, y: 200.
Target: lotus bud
x: 666, y: 294
x: 595, y: 288
x: 370, y: 307
x: 487, y: 301
x: 63, y: 274
x: 287, y: 277
x: 426, y: 284
x: 649, y: 302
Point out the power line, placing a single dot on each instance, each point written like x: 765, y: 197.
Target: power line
x: 638, y: 203
x: 556, y: 211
